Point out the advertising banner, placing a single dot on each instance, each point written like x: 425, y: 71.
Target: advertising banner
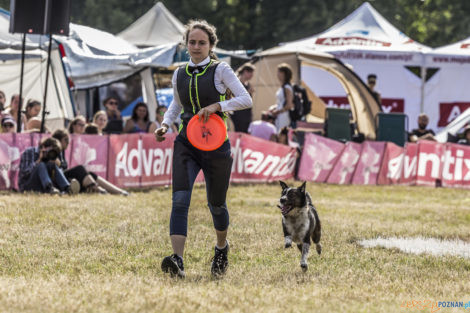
x: 367, y: 169
x: 343, y: 171
x: 318, y: 157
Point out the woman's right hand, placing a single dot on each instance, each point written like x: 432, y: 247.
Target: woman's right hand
x: 160, y: 133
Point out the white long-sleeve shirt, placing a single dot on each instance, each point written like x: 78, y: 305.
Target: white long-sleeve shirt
x: 224, y: 78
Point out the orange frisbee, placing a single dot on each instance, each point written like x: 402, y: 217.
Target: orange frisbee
x: 206, y: 136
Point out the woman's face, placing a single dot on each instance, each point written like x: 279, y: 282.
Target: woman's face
x: 101, y: 121
x: 34, y: 111
x: 247, y: 75
x: 141, y: 112
x: 280, y: 76
x: 111, y: 105
x: 64, y: 142
x: 160, y: 114
x: 79, y: 127
x: 198, y: 45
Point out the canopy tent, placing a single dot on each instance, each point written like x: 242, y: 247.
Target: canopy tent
x: 303, y: 62
x: 159, y: 26
x: 156, y: 27
x: 446, y: 92
x: 58, y: 102
x: 371, y: 45
x: 95, y: 58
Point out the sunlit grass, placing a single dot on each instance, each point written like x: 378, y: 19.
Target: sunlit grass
x: 94, y: 253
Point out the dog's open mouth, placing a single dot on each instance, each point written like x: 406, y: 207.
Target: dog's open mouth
x: 285, y: 208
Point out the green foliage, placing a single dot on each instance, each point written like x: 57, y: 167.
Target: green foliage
x: 253, y: 24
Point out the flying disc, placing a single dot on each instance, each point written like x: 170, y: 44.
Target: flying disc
x: 206, y: 136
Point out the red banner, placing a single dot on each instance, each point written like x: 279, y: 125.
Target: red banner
x: 449, y: 111
x: 429, y: 162
x: 390, y: 105
x: 318, y: 157
x: 392, y: 165
x: 131, y: 163
x: 343, y: 171
x: 367, y: 169
x: 91, y: 151
x: 410, y: 164
x: 136, y: 160
x: 456, y: 166
x: 259, y: 160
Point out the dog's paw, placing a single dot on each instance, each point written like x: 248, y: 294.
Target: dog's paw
x: 287, y: 242
x: 318, y: 248
x: 304, y: 266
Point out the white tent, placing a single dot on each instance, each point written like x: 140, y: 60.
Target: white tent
x: 368, y: 42
x: 96, y: 58
x: 446, y: 92
x: 159, y: 27
x: 156, y: 27
x: 58, y: 102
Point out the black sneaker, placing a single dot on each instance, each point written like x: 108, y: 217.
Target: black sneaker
x: 220, y: 261
x: 173, y: 264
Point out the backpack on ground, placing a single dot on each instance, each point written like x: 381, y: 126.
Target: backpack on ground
x: 302, y: 104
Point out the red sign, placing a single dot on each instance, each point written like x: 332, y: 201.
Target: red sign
x: 410, y: 164
x: 392, y: 165
x: 448, y: 111
x: 429, y: 162
x: 390, y: 105
x: 456, y: 166
x: 91, y: 151
x: 259, y: 160
x: 336, y: 102
x: 343, y: 171
x: 367, y: 169
x: 318, y: 157
x: 343, y: 41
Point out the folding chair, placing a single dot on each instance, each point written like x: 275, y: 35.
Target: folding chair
x: 338, y: 124
x: 392, y: 127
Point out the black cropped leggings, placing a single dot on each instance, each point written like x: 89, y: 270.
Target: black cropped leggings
x: 216, y: 166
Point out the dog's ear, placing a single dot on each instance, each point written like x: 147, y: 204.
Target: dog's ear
x: 283, y: 185
x: 302, y: 187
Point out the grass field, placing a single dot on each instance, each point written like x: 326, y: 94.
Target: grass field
x: 93, y: 253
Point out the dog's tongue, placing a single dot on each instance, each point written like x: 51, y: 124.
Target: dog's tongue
x: 284, y: 209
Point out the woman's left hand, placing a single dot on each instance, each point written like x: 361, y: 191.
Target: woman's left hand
x: 205, y: 112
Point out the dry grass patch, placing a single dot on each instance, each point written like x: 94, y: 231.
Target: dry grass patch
x: 103, y: 253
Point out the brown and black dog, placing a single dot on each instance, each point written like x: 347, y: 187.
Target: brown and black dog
x: 300, y: 221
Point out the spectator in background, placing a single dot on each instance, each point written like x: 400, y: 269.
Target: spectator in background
x: 139, y: 121
x: 33, y: 107
x: 77, y: 125
x: 112, y: 109
x: 242, y: 118
x: 39, y: 170
x: 8, y: 124
x: 114, y: 125
x: 3, y: 100
x: 100, y: 119
x: 13, y: 110
x: 371, y: 82
x: 284, y: 96
x: 34, y: 126
x: 91, y: 129
x: 422, y: 133
x: 161, y: 109
x: 89, y: 181
x: 264, y: 128
x: 466, y: 137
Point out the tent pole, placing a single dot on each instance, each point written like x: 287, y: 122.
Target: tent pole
x: 47, y: 80
x: 423, y: 82
x: 18, y: 121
